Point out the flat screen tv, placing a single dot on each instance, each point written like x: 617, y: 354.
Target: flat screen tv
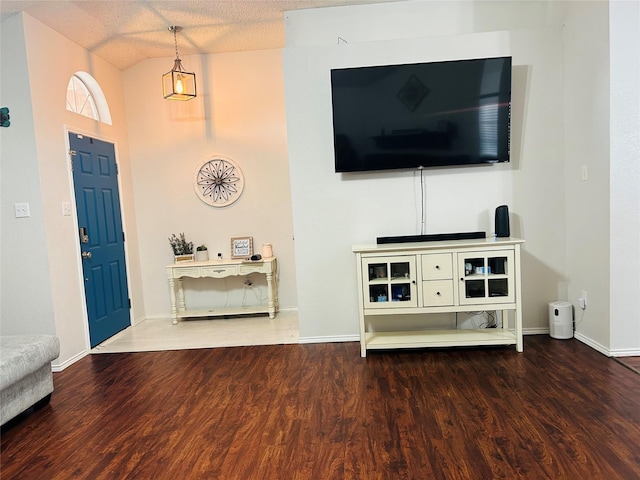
x: 421, y: 115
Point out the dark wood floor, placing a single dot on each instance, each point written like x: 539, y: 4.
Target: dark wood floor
x: 631, y: 362
x: 560, y: 410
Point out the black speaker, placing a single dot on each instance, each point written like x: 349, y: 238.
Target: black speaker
x: 502, y: 221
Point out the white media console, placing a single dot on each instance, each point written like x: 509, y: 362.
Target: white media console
x: 438, y: 277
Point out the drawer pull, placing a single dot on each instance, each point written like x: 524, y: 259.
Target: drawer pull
x: 438, y: 293
x: 437, y: 267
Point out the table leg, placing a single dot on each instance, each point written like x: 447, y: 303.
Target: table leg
x: 181, y: 305
x: 519, y: 342
x: 272, y: 293
x: 172, y: 295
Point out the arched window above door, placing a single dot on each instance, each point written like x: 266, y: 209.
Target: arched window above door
x: 85, y: 97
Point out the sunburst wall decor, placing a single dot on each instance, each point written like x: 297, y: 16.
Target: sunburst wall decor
x: 219, y: 182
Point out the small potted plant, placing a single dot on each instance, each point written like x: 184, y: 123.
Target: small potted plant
x: 182, y: 250
x: 202, y: 254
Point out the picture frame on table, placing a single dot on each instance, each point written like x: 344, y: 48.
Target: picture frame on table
x: 241, y: 247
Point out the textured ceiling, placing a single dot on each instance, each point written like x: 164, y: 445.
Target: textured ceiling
x: 125, y: 32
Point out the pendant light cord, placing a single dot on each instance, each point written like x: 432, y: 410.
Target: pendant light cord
x: 175, y: 42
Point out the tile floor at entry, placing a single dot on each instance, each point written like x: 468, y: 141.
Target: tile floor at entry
x: 161, y: 334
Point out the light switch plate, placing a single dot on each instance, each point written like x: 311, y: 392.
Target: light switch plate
x: 22, y: 210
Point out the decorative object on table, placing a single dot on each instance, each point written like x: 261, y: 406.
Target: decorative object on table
x: 178, y: 84
x: 267, y: 250
x: 182, y: 250
x: 218, y: 182
x: 202, y: 254
x: 241, y: 247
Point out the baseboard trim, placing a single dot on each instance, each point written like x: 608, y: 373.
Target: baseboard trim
x: 625, y: 352
x: 356, y: 338
x: 58, y: 367
x: 535, y: 331
x: 137, y: 321
x: 593, y: 344
x: 330, y: 339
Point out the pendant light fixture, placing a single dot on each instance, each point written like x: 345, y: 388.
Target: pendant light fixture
x: 177, y: 84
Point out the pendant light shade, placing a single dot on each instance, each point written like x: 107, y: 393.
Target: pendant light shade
x: 178, y: 84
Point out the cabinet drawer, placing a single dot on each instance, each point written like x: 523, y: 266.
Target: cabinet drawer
x: 437, y: 293
x: 245, y: 269
x: 437, y: 266
x: 186, y: 272
x: 219, y: 272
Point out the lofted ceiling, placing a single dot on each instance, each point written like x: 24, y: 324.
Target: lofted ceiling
x: 125, y: 32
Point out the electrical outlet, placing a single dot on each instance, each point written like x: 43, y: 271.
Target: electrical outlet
x: 584, y: 299
x: 584, y: 173
x: 66, y: 209
x: 22, y: 210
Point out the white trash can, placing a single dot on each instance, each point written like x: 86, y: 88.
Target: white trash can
x: 561, y: 320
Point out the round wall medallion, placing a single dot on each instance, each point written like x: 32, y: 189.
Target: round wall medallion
x: 219, y: 181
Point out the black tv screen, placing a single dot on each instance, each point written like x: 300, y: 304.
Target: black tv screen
x: 421, y: 115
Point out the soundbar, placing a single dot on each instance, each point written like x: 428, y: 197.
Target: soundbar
x: 435, y: 237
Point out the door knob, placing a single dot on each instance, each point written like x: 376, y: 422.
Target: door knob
x: 86, y: 254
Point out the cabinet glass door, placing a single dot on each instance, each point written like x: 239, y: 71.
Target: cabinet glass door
x: 486, y: 277
x: 389, y: 282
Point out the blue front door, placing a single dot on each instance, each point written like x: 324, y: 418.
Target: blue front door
x: 95, y: 178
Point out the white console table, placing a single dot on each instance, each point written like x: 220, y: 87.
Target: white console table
x: 438, y: 277
x: 220, y: 269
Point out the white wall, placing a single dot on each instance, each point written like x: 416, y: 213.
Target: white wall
x: 25, y: 294
x: 334, y: 211
x: 238, y: 113
x: 411, y: 19
x: 51, y: 61
x: 586, y: 71
x: 624, y: 21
